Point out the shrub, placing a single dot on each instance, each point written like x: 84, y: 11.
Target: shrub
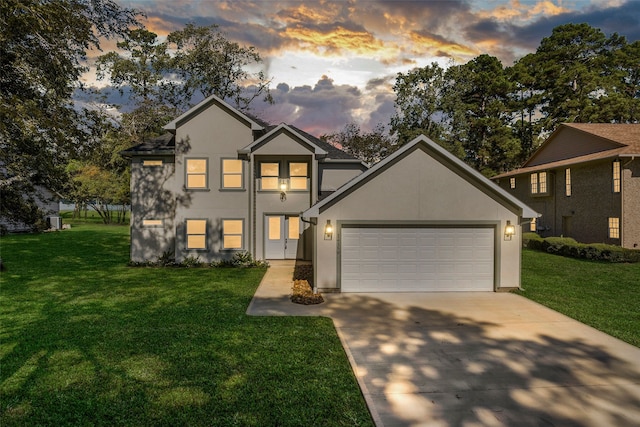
x: 568, y: 247
x: 240, y: 260
x: 191, y: 261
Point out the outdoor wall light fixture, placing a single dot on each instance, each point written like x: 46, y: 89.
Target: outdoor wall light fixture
x: 509, y: 231
x: 283, y: 190
x: 328, y: 231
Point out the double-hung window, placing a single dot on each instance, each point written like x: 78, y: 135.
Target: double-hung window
x: 232, y: 177
x: 196, y: 230
x: 616, y: 176
x: 539, y: 183
x: 196, y: 174
x: 232, y: 233
x: 567, y: 182
x: 269, y: 175
x: 614, y: 228
x: 512, y: 182
x: 298, y: 176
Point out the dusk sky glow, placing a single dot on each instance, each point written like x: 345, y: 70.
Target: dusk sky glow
x: 334, y: 62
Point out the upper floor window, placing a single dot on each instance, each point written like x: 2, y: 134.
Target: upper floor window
x: 616, y: 176
x: 270, y: 175
x: 196, y: 170
x: 539, y: 183
x: 567, y: 182
x: 298, y: 174
x: 232, y: 233
x: 196, y: 234
x: 512, y: 182
x: 614, y: 228
x: 232, y: 177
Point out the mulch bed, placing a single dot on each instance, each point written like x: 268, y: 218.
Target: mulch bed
x: 303, y: 294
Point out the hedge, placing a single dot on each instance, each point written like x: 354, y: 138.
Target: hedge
x: 568, y: 247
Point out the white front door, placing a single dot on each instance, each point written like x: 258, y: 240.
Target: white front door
x: 282, y: 233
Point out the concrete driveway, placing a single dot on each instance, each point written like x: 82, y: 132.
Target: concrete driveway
x: 474, y: 359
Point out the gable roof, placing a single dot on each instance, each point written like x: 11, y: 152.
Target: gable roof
x: 616, y: 140
x: 320, y: 148
x: 204, y: 104
x: 441, y: 155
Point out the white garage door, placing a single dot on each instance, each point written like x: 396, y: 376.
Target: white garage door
x: 416, y: 259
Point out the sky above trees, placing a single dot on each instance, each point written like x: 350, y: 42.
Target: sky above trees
x: 334, y: 62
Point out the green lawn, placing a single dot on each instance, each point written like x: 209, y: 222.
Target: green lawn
x: 603, y: 295
x: 86, y: 340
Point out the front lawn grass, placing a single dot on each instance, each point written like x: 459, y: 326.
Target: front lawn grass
x: 86, y: 340
x: 600, y: 294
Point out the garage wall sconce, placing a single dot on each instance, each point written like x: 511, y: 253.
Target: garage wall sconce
x: 328, y: 231
x: 509, y: 230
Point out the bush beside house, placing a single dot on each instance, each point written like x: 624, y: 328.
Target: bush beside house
x: 568, y: 247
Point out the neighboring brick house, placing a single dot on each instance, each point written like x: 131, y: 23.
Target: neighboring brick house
x: 584, y: 180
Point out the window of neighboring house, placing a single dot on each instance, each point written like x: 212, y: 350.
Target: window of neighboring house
x: 567, y: 182
x: 298, y: 173
x: 614, y: 228
x: 196, y: 234
x: 232, y: 177
x: 232, y: 236
x: 196, y: 170
x: 269, y: 175
x: 539, y: 183
x: 616, y: 176
x: 512, y: 182
x: 533, y: 225
x: 152, y: 223
x: 149, y: 162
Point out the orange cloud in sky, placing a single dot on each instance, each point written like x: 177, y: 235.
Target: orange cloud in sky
x: 516, y: 11
x: 423, y: 44
x: 338, y: 40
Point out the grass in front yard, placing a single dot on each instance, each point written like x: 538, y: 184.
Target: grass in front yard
x: 603, y: 295
x: 86, y: 340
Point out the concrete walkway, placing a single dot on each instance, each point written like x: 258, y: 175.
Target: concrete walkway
x: 471, y: 359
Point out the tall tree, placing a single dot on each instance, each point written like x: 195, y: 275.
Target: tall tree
x: 418, y: 103
x: 475, y: 103
x: 209, y: 64
x: 43, y: 48
x: 370, y: 147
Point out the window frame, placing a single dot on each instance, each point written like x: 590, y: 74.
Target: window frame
x: 223, y: 234
x: 277, y: 177
x: 152, y: 163
x: 567, y: 182
x: 306, y: 176
x: 223, y: 174
x: 616, y: 175
x: 205, y: 234
x: 539, y: 183
x: 205, y: 173
x: 512, y: 182
x: 613, y: 224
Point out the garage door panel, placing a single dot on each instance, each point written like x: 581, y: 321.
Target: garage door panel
x: 417, y: 259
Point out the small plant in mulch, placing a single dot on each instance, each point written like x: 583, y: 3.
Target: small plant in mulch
x: 303, y: 294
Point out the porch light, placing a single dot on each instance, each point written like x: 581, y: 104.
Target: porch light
x: 283, y: 190
x: 328, y: 231
x: 509, y: 231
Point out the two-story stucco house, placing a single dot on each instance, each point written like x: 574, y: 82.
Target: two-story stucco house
x: 221, y: 181
x: 584, y: 180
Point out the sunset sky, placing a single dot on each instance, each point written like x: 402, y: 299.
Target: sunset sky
x: 333, y: 62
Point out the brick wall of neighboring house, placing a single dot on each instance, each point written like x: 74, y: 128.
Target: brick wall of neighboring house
x: 583, y: 215
x: 631, y: 203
